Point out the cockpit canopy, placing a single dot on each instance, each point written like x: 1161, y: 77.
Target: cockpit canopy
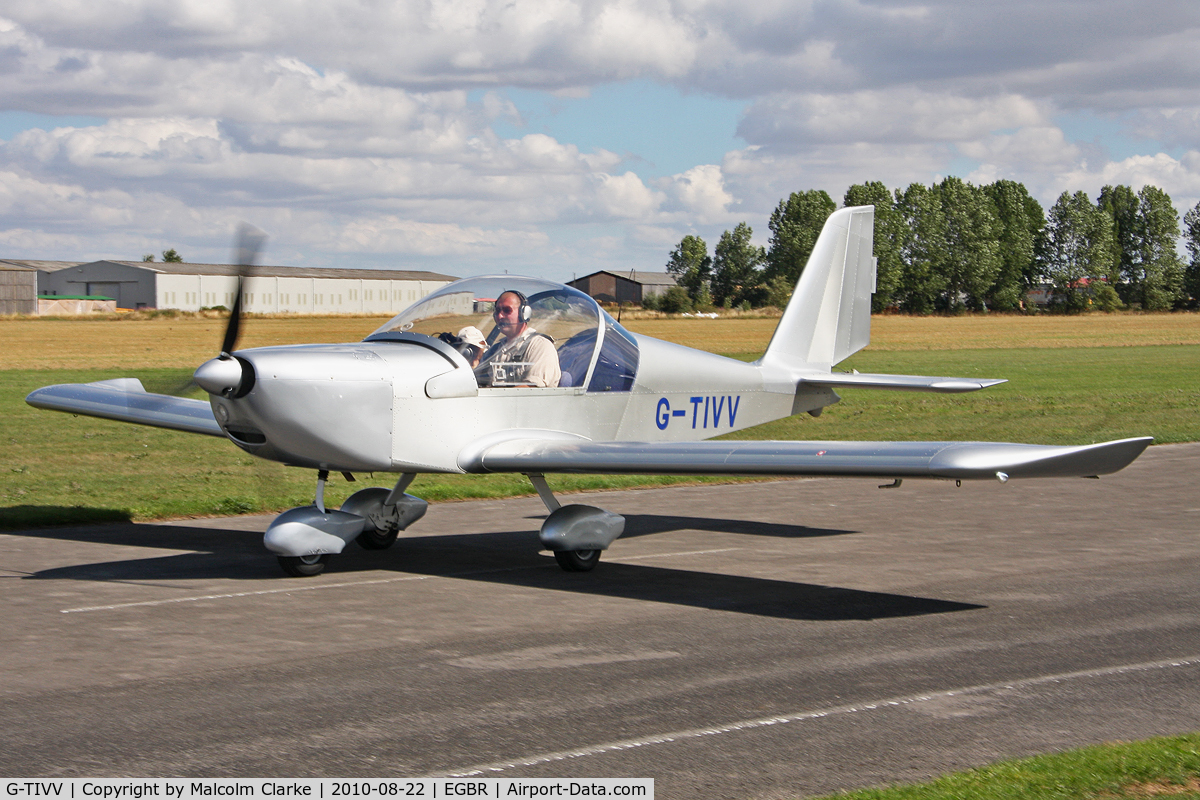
x: 593, y: 350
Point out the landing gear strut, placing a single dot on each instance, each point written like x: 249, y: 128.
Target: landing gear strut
x: 386, y: 512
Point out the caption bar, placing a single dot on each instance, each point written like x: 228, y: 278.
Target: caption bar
x: 324, y: 788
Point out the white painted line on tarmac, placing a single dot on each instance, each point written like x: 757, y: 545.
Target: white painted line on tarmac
x: 293, y: 589
x: 803, y: 716
x: 672, y: 555
x: 200, y: 598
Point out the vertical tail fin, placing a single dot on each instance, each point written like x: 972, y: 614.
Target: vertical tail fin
x: 829, y: 316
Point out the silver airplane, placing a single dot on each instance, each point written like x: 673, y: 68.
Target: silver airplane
x: 407, y: 400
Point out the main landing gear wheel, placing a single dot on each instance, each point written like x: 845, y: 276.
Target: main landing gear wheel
x: 577, y: 560
x: 304, y: 566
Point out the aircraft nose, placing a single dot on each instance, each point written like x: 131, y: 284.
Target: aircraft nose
x: 228, y: 377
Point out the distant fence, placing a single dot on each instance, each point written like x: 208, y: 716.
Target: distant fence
x: 62, y: 305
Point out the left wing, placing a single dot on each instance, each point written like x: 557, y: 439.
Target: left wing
x: 126, y: 400
x: 948, y: 460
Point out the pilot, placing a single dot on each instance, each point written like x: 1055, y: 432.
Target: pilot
x: 524, y: 357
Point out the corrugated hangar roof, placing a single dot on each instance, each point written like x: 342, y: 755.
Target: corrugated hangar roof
x: 44, y: 266
x: 186, y: 268
x: 644, y: 278
x: 653, y: 277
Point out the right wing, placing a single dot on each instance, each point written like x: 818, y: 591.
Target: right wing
x: 888, y: 460
x: 126, y: 400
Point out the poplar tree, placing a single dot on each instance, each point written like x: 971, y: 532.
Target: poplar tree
x: 923, y: 272
x: 1121, y: 205
x: 1158, y: 271
x: 691, y: 266
x: 972, y: 241
x: 795, y: 225
x: 1191, y: 238
x: 1021, y: 222
x: 891, y: 233
x: 1078, y: 248
x: 737, y: 268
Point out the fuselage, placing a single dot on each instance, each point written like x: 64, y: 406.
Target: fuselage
x: 406, y: 399
x: 410, y: 406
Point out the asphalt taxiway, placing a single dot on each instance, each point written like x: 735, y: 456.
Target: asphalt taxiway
x: 774, y: 639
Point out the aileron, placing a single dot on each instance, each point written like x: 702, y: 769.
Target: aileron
x: 125, y: 400
x: 946, y: 460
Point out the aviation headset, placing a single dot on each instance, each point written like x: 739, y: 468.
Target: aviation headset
x: 524, y: 312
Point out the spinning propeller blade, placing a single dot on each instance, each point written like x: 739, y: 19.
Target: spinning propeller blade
x: 249, y: 241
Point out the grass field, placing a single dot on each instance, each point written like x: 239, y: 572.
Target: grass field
x: 1162, y: 767
x: 1072, y: 380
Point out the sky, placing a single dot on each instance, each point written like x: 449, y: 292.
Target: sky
x: 557, y: 138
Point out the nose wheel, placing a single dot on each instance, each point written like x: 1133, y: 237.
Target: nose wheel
x: 304, y: 566
x: 577, y: 560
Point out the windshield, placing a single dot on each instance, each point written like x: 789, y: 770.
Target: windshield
x: 555, y: 347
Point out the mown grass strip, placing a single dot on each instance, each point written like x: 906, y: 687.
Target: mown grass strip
x: 1160, y: 767
x: 1053, y: 396
x: 188, y: 340
x: 58, y: 469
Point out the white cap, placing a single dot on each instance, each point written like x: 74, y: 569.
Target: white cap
x: 472, y: 335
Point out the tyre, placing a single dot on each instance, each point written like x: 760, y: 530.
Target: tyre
x: 368, y: 503
x: 577, y: 560
x: 373, y: 539
x: 304, y: 566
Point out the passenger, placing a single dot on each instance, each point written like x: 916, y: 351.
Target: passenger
x: 524, y: 357
x: 472, y: 344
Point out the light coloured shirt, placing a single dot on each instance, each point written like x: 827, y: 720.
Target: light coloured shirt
x: 528, y: 360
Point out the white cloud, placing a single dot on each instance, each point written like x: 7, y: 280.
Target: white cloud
x: 892, y: 117
x: 364, y: 132
x: 1178, y: 177
x: 1039, y: 149
x: 625, y: 197
x: 700, y: 194
x: 391, y: 234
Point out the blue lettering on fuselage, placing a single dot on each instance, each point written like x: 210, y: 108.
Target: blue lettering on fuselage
x: 707, y: 412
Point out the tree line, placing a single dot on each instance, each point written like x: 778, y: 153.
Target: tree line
x: 953, y: 246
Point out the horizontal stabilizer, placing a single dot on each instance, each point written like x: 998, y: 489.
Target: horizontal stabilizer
x: 910, y: 383
x: 126, y: 400
x: 947, y: 460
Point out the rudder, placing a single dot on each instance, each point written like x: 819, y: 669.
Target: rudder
x: 829, y: 316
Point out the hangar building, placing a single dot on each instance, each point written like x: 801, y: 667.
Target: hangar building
x: 630, y: 287
x: 21, y: 281
x: 18, y: 289
x: 190, y: 287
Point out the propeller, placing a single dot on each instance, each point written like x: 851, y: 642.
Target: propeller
x: 249, y: 241
x: 227, y: 374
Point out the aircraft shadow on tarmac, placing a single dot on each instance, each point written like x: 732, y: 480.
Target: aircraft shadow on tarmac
x: 508, y: 558
x: 212, y: 553
x: 719, y: 592
x: 646, y: 524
